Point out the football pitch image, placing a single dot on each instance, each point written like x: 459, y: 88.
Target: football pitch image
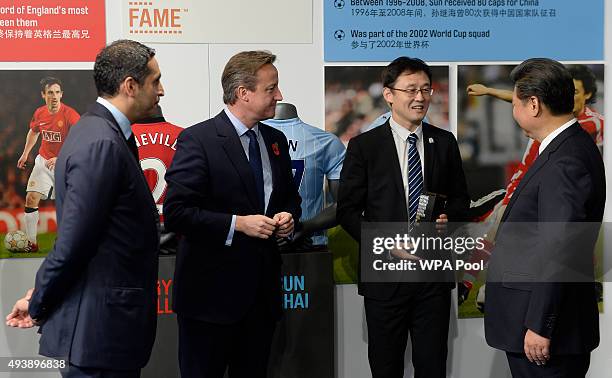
x: 45, y: 243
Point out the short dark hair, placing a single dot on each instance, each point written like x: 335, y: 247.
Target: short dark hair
x: 401, y: 65
x: 584, y: 74
x: 241, y: 70
x: 47, y: 81
x: 118, y: 61
x: 546, y: 79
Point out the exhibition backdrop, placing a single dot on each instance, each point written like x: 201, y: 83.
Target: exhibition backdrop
x: 330, y: 54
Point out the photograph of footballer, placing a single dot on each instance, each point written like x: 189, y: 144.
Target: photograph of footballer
x: 48, y: 104
x: 492, y: 144
x: 53, y: 120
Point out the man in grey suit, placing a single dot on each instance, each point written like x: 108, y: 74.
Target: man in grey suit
x: 95, y: 293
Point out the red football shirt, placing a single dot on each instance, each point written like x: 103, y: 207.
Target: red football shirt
x: 54, y: 128
x: 156, y: 147
x: 593, y: 123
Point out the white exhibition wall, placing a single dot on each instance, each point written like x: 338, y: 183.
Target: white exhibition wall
x: 191, y: 77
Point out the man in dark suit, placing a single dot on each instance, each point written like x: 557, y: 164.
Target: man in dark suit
x: 95, y: 293
x: 231, y: 193
x: 385, y: 171
x: 541, y: 305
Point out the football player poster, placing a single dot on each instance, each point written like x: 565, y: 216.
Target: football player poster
x: 353, y: 105
x: 496, y: 154
x: 38, y: 109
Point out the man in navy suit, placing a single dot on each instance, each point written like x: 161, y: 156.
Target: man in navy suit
x: 95, y: 293
x: 385, y: 172
x: 231, y: 193
x: 541, y: 305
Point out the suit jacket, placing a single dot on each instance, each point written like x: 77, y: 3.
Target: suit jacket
x: 209, y: 180
x: 527, y: 279
x: 372, y: 190
x: 96, y: 290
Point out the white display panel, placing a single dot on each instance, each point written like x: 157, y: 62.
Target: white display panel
x: 210, y: 21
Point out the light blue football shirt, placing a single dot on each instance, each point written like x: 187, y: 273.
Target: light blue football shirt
x: 315, y: 154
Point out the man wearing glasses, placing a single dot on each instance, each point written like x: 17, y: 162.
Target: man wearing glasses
x: 385, y: 171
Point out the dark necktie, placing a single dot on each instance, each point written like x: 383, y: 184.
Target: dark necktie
x: 255, y: 162
x: 131, y: 141
x: 415, y: 177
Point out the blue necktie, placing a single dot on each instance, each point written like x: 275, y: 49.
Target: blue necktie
x: 415, y: 177
x: 255, y: 162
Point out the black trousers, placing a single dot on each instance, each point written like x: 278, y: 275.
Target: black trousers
x: 564, y: 366
x: 206, y: 349
x: 424, y: 314
x: 82, y: 372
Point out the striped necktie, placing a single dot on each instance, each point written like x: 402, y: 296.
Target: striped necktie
x: 415, y: 177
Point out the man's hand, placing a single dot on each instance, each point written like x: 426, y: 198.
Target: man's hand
x: 19, y: 316
x: 477, y: 90
x: 442, y: 223
x: 403, y: 254
x: 257, y: 226
x: 51, y: 163
x: 22, y: 162
x: 537, y: 348
x: 284, y: 223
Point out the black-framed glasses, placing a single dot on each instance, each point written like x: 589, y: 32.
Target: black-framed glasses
x: 412, y: 92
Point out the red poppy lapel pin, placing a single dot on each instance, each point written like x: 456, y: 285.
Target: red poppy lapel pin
x: 275, y: 149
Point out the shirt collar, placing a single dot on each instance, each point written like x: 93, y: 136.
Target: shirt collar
x: 404, y: 132
x: 238, y: 125
x: 549, y: 138
x: 122, y: 120
x: 285, y: 121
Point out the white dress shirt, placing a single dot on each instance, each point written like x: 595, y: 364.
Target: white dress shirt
x: 400, y: 137
x: 549, y: 138
x: 241, y: 130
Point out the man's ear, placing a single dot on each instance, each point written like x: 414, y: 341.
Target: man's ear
x: 535, y: 106
x: 129, y: 86
x: 587, y: 96
x: 388, y: 95
x: 242, y: 93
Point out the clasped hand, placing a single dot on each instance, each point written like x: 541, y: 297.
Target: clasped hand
x: 263, y: 227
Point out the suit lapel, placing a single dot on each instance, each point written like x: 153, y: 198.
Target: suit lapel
x: 99, y: 110
x: 539, y: 163
x: 535, y: 167
x: 389, y: 151
x: 429, y: 160
x: 235, y: 154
